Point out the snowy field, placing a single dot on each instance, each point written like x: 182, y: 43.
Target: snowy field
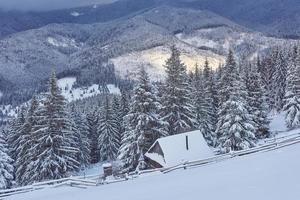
x: 270, y: 176
x: 73, y: 94
x: 277, y: 123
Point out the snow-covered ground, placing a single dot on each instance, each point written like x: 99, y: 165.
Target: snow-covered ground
x: 94, y: 169
x: 270, y: 176
x: 277, y: 123
x: 154, y: 59
x: 62, y: 42
x: 72, y: 94
x: 75, y: 14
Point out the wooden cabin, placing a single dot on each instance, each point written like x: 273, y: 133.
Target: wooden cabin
x: 177, y: 149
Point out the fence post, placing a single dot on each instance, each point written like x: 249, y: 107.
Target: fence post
x: 187, y: 142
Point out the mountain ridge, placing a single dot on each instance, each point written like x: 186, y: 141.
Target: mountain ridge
x: 129, y: 42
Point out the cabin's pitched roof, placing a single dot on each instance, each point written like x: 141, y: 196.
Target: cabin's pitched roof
x: 173, y: 149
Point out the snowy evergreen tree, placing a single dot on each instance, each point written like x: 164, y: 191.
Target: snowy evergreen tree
x: 14, y: 132
x: 124, y: 103
x: 213, y: 86
x: 177, y: 108
x: 280, y: 80
x: 6, y: 166
x: 117, y: 115
x: 203, y: 104
x: 236, y: 127
x: 108, y: 129
x: 210, y: 95
x: 143, y: 125
x: 267, y: 74
x: 257, y: 100
x: 124, y: 109
x: 227, y: 79
x: 92, y: 119
x: 54, y: 154
x: 218, y: 86
x: 25, y: 142
x: 292, y: 97
x: 82, y: 141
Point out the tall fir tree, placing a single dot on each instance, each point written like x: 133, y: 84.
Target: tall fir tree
x: 92, y: 119
x: 124, y: 110
x: 117, y: 115
x: 143, y: 125
x: 292, y: 97
x: 211, y: 96
x: 25, y: 142
x: 14, y: 132
x: 6, y: 165
x: 81, y: 138
x: 124, y: 103
x: 257, y: 100
x: 280, y: 80
x: 236, y: 127
x: 177, y: 108
x: 108, y: 129
x: 203, y: 104
x: 267, y: 73
x: 227, y: 80
x: 54, y: 154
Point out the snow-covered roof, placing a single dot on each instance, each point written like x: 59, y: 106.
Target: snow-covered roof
x: 105, y: 165
x: 175, y: 150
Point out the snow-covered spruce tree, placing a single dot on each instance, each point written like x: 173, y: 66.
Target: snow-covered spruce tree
x: 124, y: 109
x: 218, y: 86
x: 292, y: 97
x: 177, y: 108
x: 25, y: 142
x: 256, y: 100
x: 14, y: 132
x: 54, y: 154
x: 226, y: 78
x: 280, y: 79
x: 124, y: 103
x: 142, y: 123
x: 236, y: 127
x: 203, y: 106
x: 211, y: 95
x: 82, y: 141
x: 92, y: 119
x: 108, y: 129
x: 267, y: 74
x: 6, y: 166
x: 117, y: 115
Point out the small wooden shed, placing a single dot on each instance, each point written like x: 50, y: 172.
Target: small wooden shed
x: 107, y: 169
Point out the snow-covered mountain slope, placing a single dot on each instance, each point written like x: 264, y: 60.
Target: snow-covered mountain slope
x: 276, y: 17
x: 70, y: 92
x: 154, y: 59
x: 272, y: 175
x: 73, y: 94
x: 30, y: 56
x: 18, y: 21
x: 221, y: 39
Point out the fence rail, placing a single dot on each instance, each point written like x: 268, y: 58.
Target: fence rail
x: 72, y: 181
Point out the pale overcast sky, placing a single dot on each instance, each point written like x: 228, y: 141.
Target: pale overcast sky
x: 46, y: 4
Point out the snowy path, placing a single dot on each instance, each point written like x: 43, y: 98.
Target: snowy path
x: 272, y: 175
